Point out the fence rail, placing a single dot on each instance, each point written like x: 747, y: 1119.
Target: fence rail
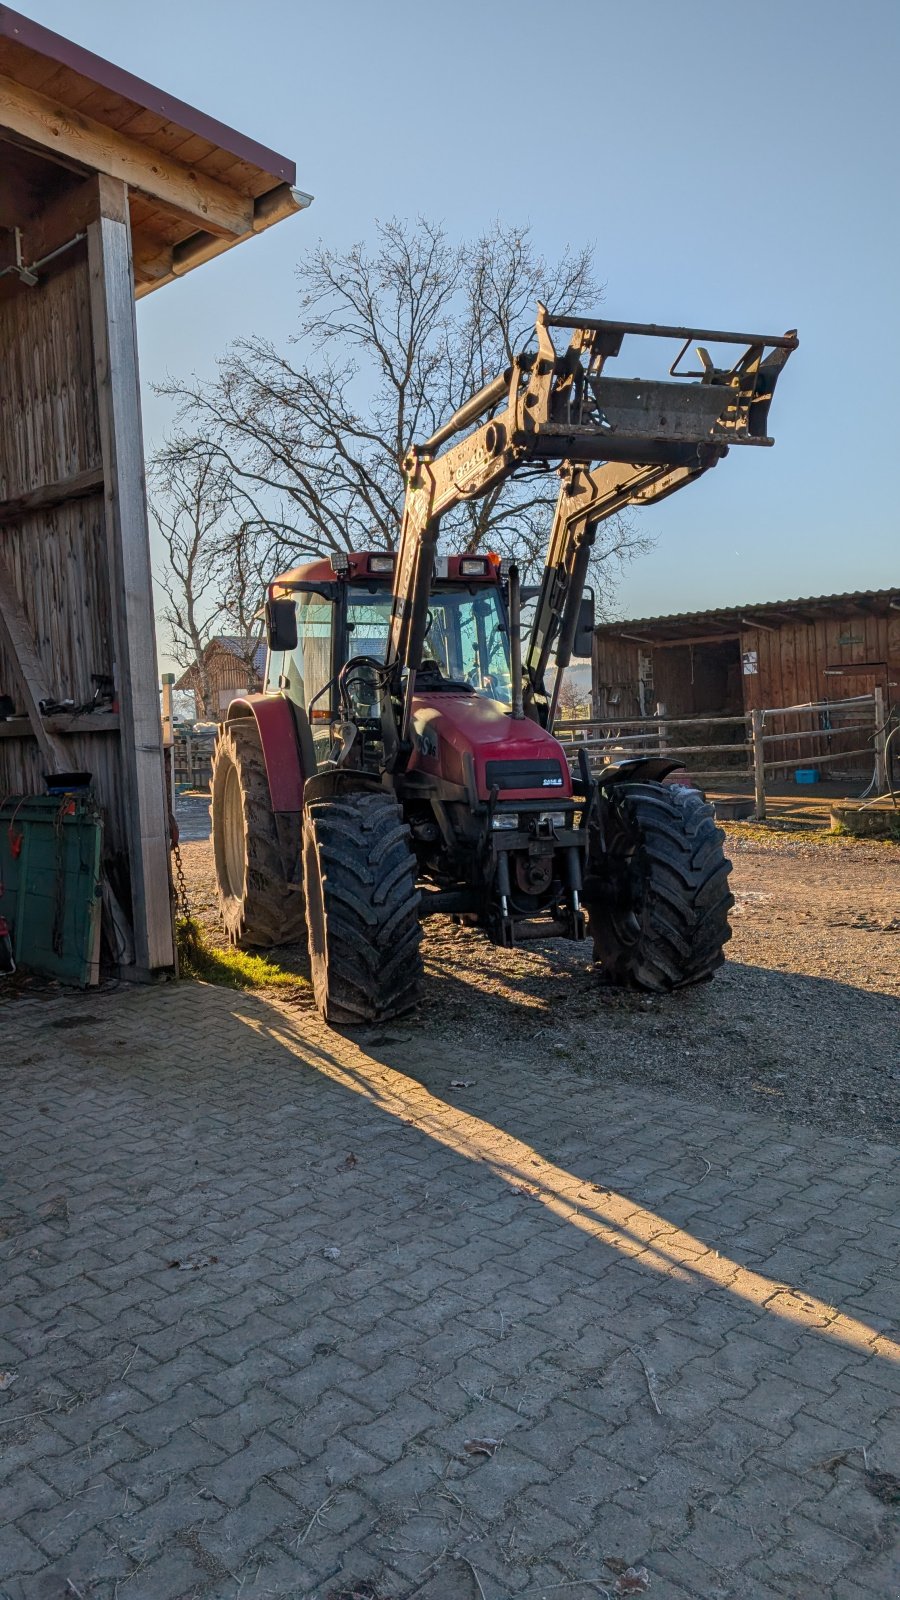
x: 607, y: 739
x: 191, y: 762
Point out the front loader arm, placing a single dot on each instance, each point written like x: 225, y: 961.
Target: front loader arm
x: 652, y: 438
x: 586, y: 498
x: 469, y: 469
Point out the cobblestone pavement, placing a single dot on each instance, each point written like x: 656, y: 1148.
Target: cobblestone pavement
x: 260, y: 1285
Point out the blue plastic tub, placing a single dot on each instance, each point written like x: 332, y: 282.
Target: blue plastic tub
x: 806, y: 775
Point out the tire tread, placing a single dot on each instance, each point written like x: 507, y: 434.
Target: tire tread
x: 684, y: 911
x: 371, y: 967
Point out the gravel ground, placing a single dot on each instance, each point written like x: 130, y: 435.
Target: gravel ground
x: 803, y: 1021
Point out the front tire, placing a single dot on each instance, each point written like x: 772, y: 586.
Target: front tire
x: 657, y: 896
x: 260, y: 907
x: 362, y: 908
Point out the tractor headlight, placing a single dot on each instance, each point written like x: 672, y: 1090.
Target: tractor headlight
x: 553, y: 819
x: 504, y: 820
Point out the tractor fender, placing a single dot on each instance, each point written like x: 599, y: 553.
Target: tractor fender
x: 339, y: 780
x: 643, y: 769
x: 286, y: 745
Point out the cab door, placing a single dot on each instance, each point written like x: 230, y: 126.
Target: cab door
x: 304, y: 673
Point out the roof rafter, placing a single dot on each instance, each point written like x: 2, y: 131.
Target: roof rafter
x: 60, y: 130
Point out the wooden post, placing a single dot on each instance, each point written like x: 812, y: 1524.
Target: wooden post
x: 168, y: 733
x: 759, y: 763
x: 881, y: 737
x: 128, y: 547
x: 168, y: 680
x: 661, y: 729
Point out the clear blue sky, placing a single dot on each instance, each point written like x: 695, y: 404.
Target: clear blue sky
x: 736, y: 166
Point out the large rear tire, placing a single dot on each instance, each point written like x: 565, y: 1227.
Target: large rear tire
x: 259, y: 905
x: 657, y: 897
x: 362, y: 908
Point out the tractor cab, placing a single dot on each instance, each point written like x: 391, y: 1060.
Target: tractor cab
x: 326, y: 613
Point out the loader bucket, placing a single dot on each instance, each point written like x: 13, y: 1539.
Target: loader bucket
x: 665, y: 420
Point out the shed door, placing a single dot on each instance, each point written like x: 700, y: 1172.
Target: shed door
x: 847, y: 683
x: 852, y: 725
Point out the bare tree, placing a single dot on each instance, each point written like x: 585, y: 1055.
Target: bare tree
x: 211, y: 579
x: 307, y: 444
x: 574, y: 698
x: 186, y: 505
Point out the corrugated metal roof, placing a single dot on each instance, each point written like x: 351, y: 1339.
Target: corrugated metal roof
x: 868, y: 601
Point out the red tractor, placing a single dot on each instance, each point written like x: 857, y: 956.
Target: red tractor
x: 400, y: 760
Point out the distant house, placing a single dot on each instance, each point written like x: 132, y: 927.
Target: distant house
x: 232, y: 666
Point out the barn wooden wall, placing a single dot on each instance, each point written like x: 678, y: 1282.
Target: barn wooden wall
x: 225, y: 672
x: 616, y: 672
x: 75, y: 585
x: 792, y: 661
x: 792, y: 671
x: 49, y: 433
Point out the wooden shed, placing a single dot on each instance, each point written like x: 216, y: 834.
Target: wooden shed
x: 738, y: 659
x: 109, y: 188
x: 231, y: 666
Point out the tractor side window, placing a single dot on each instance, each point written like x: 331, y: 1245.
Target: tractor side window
x: 368, y: 626
x: 308, y: 668
x: 368, y: 623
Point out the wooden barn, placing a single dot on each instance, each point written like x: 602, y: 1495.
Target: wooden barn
x: 740, y: 658
x: 230, y: 666
x: 109, y: 188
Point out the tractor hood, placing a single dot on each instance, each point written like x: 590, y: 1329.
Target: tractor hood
x: 453, y: 732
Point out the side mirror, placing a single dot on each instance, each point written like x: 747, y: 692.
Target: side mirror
x: 281, y: 625
x: 583, y: 643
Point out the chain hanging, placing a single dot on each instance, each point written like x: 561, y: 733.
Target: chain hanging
x: 181, y: 889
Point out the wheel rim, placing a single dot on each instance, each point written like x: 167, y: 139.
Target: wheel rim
x: 315, y: 918
x: 233, y: 844
x: 624, y: 919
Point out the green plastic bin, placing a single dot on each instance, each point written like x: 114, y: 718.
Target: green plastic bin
x: 50, y: 849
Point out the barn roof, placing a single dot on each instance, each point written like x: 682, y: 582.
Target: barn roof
x: 196, y: 187
x: 235, y: 645
x: 731, y: 619
x: 246, y: 650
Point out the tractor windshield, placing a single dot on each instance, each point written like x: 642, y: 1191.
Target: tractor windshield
x: 467, y: 635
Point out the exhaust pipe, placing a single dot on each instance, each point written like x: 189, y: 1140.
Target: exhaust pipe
x: 515, y: 642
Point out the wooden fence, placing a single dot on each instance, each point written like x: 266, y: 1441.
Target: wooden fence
x: 836, y: 733
x: 192, y: 761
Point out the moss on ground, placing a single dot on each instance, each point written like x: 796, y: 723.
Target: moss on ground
x: 782, y: 831
x: 228, y: 968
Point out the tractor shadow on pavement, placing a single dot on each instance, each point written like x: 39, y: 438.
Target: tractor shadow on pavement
x: 803, y: 1048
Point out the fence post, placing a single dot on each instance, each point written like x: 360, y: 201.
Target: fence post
x: 881, y: 735
x: 759, y: 764
x: 168, y: 727
x: 189, y: 761
x: 661, y: 728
